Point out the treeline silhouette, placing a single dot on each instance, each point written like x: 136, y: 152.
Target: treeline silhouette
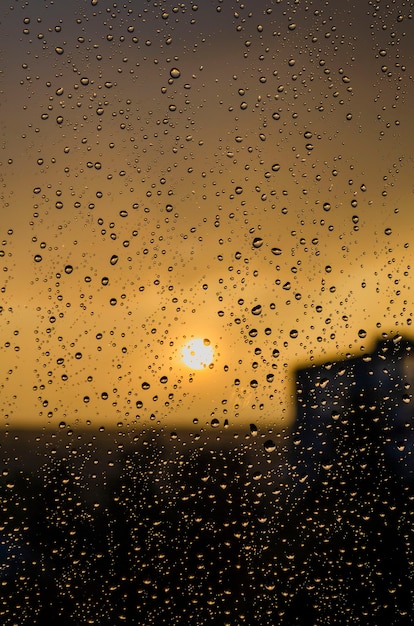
x: 313, y: 527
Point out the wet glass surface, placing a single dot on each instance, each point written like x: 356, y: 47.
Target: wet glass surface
x: 206, y: 347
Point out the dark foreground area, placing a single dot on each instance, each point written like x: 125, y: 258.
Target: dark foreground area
x: 205, y: 528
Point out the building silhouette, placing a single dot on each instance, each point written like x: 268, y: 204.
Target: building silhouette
x: 349, y: 522
x: 365, y: 401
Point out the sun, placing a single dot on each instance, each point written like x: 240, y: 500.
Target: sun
x: 198, y: 353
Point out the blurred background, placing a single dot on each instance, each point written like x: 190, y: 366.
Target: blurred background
x: 240, y: 173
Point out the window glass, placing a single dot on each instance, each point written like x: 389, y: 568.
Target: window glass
x: 206, y: 347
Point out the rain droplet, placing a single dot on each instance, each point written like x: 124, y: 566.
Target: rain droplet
x: 257, y: 242
x: 276, y: 251
x: 114, y: 259
x: 362, y: 333
x: 68, y: 269
x: 175, y: 72
x: 269, y: 445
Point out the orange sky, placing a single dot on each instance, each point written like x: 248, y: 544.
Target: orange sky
x: 288, y: 130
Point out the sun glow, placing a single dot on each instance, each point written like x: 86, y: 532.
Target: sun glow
x: 198, y: 353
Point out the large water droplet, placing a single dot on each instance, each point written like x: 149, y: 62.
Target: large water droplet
x: 257, y: 242
x: 269, y: 445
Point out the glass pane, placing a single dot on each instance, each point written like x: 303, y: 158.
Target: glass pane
x: 207, y: 366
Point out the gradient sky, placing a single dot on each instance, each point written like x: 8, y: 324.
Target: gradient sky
x: 166, y: 171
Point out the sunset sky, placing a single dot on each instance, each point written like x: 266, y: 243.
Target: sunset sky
x: 237, y: 172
